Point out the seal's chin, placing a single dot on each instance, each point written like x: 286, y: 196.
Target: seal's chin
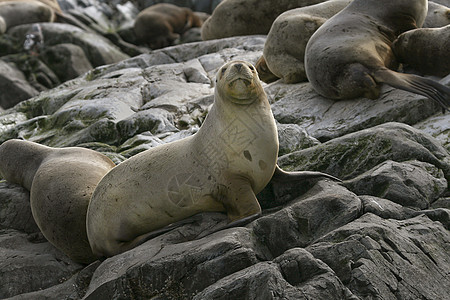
x: 241, y: 91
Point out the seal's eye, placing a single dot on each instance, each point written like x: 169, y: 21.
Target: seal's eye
x: 223, y: 70
x: 251, y: 67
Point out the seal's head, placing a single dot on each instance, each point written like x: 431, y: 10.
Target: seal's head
x: 238, y: 82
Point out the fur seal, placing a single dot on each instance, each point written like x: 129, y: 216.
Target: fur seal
x: 61, y: 182
x: 13, y: 13
x: 246, y: 17
x: 426, y: 50
x: 161, y: 24
x: 263, y: 71
x: 438, y: 15
x: 284, y: 50
x: 220, y: 168
x: 350, y: 55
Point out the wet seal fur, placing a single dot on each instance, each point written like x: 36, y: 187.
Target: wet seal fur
x: 61, y: 182
x: 350, y: 55
x: 161, y: 24
x: 425, y: 50
x: 219, y: 169
x: 284, y: 50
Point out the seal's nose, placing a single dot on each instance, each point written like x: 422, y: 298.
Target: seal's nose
x: 238, y: 66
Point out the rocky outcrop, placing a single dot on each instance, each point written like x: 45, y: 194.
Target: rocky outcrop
x: 381, y: 233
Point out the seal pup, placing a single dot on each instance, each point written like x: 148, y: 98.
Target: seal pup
x: 284, y: 50
x: 161, y: 24
x: 61, y: 182
x: 350, y: 55
x: 220, y: 168
x: 426, y: 50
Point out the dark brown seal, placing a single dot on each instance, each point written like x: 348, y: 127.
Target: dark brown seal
x: 161, y: 24
x: 350, y: 55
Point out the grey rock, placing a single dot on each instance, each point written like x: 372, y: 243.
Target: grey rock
x: 98, y: 50
x: 68, y: 61
x: 387, y: 209
x: 377, y: 258
x: 179, y: 271
x: 323, y: 208
x: 437, y: 126
x: 351, y: 155
x: 72, y: 289
x: 325, y: 119
x: 13, y: 86
x: 293, y: 138
x: 15, y: 210
x: 295, y: 274
x: 27, y: 266
x: 413, y: 183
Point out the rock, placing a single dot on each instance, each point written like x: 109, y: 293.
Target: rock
x: 389, y: 259
x: 98, y: 50
x: 437, y: 126
x: 351, y: 155
x: 13, y: 86
x: 68, y: 61
x: 15, y: 210
x: 292, y: 138
x: 412, y: 184
x: 325, y: 119
x: 27, y: 266
x: 387, y: 209
x: 323, y: 208
x: 295, y: 274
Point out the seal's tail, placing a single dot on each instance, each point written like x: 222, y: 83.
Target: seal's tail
x: 416, y: 84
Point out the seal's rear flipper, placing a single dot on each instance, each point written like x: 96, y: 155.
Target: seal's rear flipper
x: 416, y: 84
x: 281, y: 176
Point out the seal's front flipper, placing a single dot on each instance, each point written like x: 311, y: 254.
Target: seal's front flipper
x: 416, y: 84
x: 238, y: 198
x: 282, y: 176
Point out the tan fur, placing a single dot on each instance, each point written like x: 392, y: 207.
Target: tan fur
x: 350, y: 55
x: 61, y: 182
x: 284, y: 50
x: 246, y: 17
x: 220, y: 168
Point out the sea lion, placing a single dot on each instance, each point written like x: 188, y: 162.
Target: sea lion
x: 246, y: 17
x: 284, y: 50
x: 161, y: 24
x: 426, y: 50
x: 13, y: 13
x: 220, y: 168
x: 61, y: 182
x: 263, y: 71
x: 438, y: 15
x: 350, y: 55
